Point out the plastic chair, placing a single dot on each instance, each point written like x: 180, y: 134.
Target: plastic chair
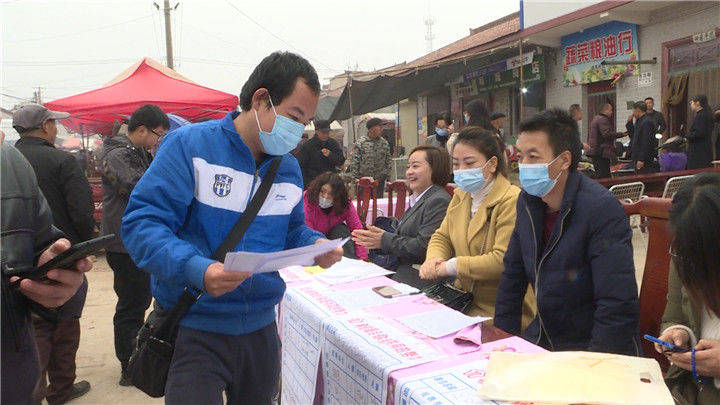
x: 628, y: 192
x: 366, y: 189
x: 402, y: 190
x: 654, y: 286
x: 450, y: 188
x: 673, y: 185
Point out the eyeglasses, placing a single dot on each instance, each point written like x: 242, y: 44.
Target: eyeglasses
x: 160, y: 136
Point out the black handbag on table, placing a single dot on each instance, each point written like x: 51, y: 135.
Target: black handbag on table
x: 149, y: 363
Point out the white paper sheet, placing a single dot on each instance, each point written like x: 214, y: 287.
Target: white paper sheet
x: 347, y: 270
x: 440, y: 323
x: 274, y: 261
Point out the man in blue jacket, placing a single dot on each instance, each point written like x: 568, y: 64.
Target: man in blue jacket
x: 196, y: 188
x: 572, y: 243
x: 643, y: 150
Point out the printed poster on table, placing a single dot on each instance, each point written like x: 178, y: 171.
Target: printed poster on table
x: 360, y: 352
x: 583, y: 52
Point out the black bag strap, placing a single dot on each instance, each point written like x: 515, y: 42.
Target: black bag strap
x: 238, y: 231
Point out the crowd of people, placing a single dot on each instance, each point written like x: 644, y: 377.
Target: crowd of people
x: 550, y: 260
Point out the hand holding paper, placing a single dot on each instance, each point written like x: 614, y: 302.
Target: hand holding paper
x: 218, y: 282
x: 328, y: 259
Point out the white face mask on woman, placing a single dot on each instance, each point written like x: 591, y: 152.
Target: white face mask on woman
x: 325, y: 202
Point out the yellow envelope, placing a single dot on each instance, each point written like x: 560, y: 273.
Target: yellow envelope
x: 574, y: 377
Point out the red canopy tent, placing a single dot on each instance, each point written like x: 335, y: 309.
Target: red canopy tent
x: 145, y: 82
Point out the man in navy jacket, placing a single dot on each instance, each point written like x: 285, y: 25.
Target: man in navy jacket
x: 644, y: 146
x: 572, y: 243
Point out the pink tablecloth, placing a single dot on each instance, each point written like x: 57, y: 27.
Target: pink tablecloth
x: 457, y: 351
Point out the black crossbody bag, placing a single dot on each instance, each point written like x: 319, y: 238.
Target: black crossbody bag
x: 150, y: 361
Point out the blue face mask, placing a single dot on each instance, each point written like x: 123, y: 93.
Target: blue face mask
x: 441, y: 132
x: 284, y: 137
x: 470, y: 180
x: 535, y: 178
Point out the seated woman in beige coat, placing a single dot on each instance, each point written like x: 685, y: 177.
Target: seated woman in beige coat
x: 475, y: 233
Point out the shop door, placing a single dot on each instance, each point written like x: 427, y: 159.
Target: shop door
x: 598, y: 94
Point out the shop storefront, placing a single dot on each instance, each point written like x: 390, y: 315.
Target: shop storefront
x: 503, y: 88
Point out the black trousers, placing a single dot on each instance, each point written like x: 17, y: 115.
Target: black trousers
x: 57, y: 345
x: 602, y: 167
x: 20, y: 369
x: 132, y: 286
x: 206, y: 364
x: 342, y: 231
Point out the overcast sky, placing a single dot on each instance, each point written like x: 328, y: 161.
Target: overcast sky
x: 68, y: 47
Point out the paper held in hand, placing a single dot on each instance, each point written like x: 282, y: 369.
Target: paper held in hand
x: 274, y: 261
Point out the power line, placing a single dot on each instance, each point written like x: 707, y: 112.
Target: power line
x: 68, y: 34
x: 18, y: 98
x: 276, y: 36
x: 67, y: 62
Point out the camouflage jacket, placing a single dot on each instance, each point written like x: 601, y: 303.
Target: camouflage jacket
x: 370, y: 158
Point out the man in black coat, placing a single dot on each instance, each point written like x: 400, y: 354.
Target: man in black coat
x: 68, y: 193
x: 320, y: 154
x: 644, y: 143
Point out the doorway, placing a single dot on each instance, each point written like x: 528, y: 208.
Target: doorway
x: 598, y: 94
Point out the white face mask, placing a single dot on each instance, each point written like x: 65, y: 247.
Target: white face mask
x: 324, y: 202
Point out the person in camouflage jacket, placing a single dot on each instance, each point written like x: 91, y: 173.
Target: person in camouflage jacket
x: 371, y: 156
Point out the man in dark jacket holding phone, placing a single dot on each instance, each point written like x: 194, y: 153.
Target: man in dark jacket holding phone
x: 28, y: 239
x: 601, y: 140
x: 68, y: 193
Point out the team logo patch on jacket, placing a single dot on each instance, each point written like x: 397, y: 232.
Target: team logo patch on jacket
x: 221, y: 187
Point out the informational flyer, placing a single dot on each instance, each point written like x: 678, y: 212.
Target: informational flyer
x: 301, y: 335
x: 360, y: 352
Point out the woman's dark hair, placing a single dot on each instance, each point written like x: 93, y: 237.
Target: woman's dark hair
x: 439, y: 163
x: 695, y: 226
x: 562, y: 132
x: 278, y: 73
x: 478, y: 115
x: 339, y: 191
x: 703, y: 100
x: 486, y: 143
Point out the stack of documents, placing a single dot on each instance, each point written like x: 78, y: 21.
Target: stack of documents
x: 347, y: 270
x: 436, y: 324
x: 274, y: 261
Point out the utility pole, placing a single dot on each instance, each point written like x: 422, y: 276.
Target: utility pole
x: 168, y: 35
x: 37, y: 95
x: 168, y: 31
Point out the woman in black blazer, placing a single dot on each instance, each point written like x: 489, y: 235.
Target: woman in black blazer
x: 428, y: 172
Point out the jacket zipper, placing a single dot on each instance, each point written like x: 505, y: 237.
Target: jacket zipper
x: 537, y: 271
x: 252, y: 193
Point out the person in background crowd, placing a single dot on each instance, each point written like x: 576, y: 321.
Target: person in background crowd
x: 498, y: 122
x: 472, y: 239
x: 643, y: 151
x: 125, y: 159
x: 371, y: 156
x: 28, y: 239
x: 672, y: 158
x: 193, y: 194
x: 477, y: 115
x: 601, y: 141
x: 716, y: 132
x: 427, y: 173
x: 572, y: 243
x: 320, y: 154
x: 699, y: 149
x: 442, y: 132
x: 656, y: 116
x: 576, y: 112
x: 303, y: 139
x: 328, y: 210
x: 692, y: 312
x: 69, y: 196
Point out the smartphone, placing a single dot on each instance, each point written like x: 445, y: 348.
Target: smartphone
x: 671, y: 347
x: 66, y: 259
x: 387, y: 291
